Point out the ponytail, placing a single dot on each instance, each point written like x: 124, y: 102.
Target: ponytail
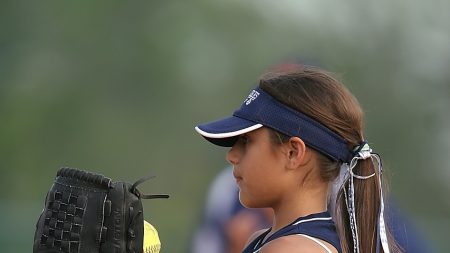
x: 359, y: 213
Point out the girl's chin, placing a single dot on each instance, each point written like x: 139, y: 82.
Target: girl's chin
x: 247, y: 202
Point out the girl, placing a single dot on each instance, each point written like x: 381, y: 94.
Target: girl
x: 289, y: 140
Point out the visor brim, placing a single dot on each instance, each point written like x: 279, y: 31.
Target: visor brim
x: 224, y: 132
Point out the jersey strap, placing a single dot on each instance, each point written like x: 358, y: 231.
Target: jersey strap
x: 318, y: 225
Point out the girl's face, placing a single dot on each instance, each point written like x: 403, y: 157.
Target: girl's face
x: 259, y: 169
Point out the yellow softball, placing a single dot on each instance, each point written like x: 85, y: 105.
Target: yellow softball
x: 151, y: 239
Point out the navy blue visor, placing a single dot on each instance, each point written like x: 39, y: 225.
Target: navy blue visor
x: 260, y: 109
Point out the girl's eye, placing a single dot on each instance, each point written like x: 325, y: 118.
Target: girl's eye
x: 243, y: 139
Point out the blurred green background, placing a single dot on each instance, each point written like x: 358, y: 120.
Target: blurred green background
x: 116, y: 87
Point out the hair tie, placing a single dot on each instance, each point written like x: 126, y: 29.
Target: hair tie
x: 363, y: 150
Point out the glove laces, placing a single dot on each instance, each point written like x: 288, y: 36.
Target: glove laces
x: 363, y: 152
x: 146, y: 196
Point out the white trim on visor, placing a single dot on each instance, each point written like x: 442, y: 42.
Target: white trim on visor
x: 229, y: 134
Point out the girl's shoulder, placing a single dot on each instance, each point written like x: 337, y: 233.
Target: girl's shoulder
x: 298, y: 244
x: 254, y: 236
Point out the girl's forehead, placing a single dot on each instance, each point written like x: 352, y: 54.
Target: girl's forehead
x: 258, y: 132
x: 263, y: 134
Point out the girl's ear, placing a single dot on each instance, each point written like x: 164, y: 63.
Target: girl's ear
x: 296, y: 153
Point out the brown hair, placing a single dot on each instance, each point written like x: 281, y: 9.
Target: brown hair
x: 317, y: 94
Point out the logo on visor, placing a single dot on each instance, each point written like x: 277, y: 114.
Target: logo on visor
x: 252, y: 96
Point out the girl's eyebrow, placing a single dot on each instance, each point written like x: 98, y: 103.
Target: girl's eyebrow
x: 245, y: 135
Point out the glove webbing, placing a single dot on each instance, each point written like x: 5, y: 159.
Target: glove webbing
x: 63, y: 221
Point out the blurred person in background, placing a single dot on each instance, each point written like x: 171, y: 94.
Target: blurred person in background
x: 226, y: 224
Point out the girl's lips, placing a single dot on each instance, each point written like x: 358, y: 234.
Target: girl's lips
x: 236, y: 176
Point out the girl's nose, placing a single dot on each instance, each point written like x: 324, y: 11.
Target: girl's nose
x: 232, y: 156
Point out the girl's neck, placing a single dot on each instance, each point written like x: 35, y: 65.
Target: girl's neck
x: 314, y: 201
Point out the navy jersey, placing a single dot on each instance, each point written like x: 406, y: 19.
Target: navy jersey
x: 318, y: 225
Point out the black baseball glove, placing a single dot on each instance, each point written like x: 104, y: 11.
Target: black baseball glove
x: 89, y: 213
